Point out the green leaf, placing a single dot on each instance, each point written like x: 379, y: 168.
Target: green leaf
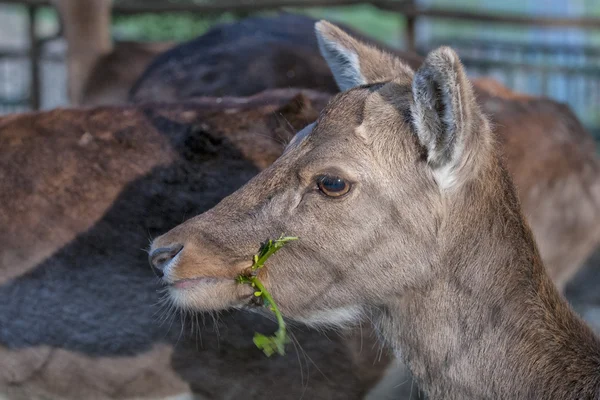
x: 276, y: 343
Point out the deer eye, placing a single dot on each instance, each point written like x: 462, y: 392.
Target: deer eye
x: 332, y: 186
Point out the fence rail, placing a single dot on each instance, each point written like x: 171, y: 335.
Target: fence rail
x: 405, y: 8
x: 570, y: 74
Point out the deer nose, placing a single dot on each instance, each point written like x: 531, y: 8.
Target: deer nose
x: 161, y: 257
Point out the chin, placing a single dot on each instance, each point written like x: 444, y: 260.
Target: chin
x: 209, y: 294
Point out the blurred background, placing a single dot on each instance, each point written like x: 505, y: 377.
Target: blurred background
x: 549, y: 48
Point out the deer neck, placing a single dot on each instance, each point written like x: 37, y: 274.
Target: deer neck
x: 491, y: 324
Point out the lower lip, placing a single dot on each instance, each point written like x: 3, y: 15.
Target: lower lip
x: 190, y: 283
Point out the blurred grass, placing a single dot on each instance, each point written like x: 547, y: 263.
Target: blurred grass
x: 386, y: 27
x: 166, y: 26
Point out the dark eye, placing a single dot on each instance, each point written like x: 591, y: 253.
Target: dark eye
x: 332, y: 186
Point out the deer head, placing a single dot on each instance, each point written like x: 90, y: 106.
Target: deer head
x: 367, y: 189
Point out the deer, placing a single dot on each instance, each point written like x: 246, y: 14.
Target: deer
x: 405, y: 213
x: 559, y: 187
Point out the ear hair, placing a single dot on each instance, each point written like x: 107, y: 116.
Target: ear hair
x: 442, y: 106
x: 354, y: 63
x: 339, y: 52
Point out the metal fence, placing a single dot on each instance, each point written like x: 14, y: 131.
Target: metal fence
x: 16, y: 94
x: 566, y: 73
x: 14, y: 81
x: 569, y: 74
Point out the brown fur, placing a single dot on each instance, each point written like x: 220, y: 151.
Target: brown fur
x: 556, y: 171
x: 114, y: 73
x: 430, y: 242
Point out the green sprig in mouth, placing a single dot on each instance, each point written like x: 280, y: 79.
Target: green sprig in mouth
x: 276, y: 343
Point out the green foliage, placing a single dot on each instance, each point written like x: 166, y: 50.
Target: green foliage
x: 180, y: 26
x: 385, y: 26
x: 276, y: 343
x: 175, y: 26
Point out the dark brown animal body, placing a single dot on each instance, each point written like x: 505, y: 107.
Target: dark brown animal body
x: 113, y: 73
x: 556, y: 170
x: 559, y: 187
x: 82, y: 192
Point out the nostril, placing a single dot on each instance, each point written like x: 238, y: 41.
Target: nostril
x: 161, y: 257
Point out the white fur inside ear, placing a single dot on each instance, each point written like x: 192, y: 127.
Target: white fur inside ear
x: 343, y: 62
x: 442, y: 97
x: 445, y: 176
x: 448, y: 175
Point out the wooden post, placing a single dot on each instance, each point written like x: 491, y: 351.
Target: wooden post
x: 34, y: 57
x: 87, y: 30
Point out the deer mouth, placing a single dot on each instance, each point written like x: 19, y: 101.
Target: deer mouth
x: 190, y: 283
x: 208, y: 293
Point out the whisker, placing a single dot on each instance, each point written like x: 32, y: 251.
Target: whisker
x: 149, y: 236
x: 292, y: 129
x: 173, y: 314
x: 302, y: 383
x: 199, y: 333
x: 182, y: 323
x: 311, y: 360
x: 402, y: 383
x: 278, y: 140
x: 215, y: 317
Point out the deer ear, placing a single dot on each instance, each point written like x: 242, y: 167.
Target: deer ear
x: 354, y: 63
x: 444, y: 108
